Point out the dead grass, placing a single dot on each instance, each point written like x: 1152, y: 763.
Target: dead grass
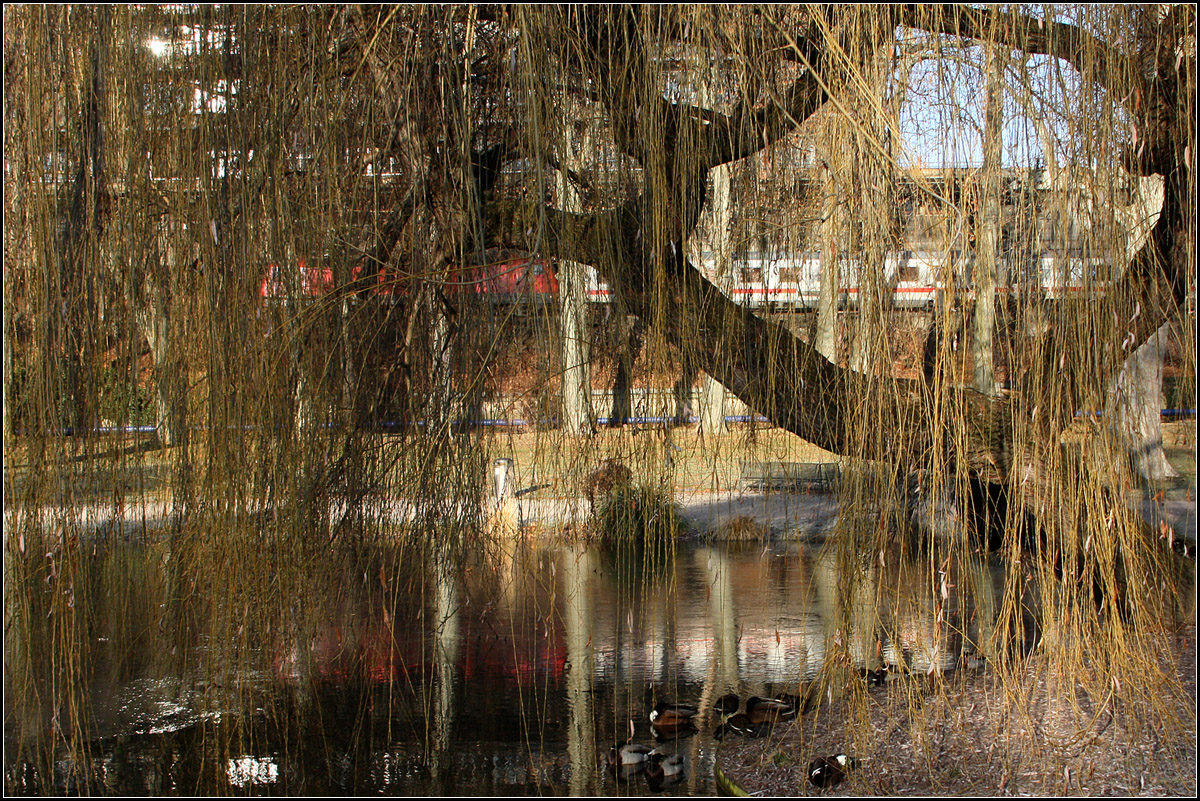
x: 742, y: 528
x: 133, y: 467
x: 682, y: 458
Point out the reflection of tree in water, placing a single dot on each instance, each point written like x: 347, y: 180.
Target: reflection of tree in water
x: 934, y: 621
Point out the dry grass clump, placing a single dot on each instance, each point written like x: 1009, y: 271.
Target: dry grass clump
x: 600, y: 484
x: 741, y: 529
x: 635, y: 530
x: 638, y: 514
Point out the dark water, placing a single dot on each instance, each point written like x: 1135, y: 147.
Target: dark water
x: 511, y: 675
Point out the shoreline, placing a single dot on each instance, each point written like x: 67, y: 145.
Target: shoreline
x: 1044, y: 735
x: 787, y: 515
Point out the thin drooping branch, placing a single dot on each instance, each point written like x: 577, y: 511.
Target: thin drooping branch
x: 1081, y: 49
x: 773, y: 370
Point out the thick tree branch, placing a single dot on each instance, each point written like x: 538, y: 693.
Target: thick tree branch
x: 1092, y: 56
x: 767, y: 366
x: 763, y: 363
x: 747, y: 131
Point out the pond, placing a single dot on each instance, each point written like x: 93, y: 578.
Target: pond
x: 512, y: 673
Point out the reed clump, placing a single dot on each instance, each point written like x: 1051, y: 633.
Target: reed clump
x: 640, y: 515
x: 742, y: 528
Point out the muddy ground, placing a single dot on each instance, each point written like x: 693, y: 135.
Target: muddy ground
x: 978, y: 734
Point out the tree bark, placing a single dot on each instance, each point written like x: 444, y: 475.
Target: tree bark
x: 1135, y: 404
x: 988, y: 238
x: 712, y: 401
x: 577, y: 416
x: 826, y: 338
x: 576, y: 373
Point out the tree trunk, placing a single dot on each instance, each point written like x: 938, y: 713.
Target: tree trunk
x: 988, y: 239
x: 826, y: 338
x: 1135, y: 404
x: 170, y: 374
x: 629, y: 345
x: 159, y: 320
x: 441, y: 410
x: 576, y: 372
x: 573, y: 317
x: 713, y: 394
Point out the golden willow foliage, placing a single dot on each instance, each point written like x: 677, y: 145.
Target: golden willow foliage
x: 149, y: 189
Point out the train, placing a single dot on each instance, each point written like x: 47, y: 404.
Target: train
x: 911, y: 279
x: 507, y: 281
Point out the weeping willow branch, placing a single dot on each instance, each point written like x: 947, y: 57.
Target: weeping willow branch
x: 1086, y: 52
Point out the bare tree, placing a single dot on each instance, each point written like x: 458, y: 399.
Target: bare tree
x: 402, y: 143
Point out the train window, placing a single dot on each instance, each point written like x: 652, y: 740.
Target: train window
x: 752, y: 274
x: 789, y: 274
x: 908, y: 272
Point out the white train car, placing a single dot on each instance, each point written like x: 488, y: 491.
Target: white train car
x: 598, y: 290
x: 1072, y: 275
x: 913, y: 279
x: 777, y: 281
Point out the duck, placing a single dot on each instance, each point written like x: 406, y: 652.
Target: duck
x: 769, y: 710
x: 743, y: 725
x: 626, y: 759
x: 663, y: 769
x: 829, y: 771
x: 803, y: 704
x: 875, y: 678
x: 672, y: 719
x: 728, y: 704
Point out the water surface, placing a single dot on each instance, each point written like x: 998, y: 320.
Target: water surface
x: 510, y: 673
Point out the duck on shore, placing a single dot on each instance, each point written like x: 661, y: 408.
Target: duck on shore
x: 828, y: 771
x: 876, y: 678
x: 741, y: 724
x: 728, y: 704
x: 769, y: 710
x: 759, y: 716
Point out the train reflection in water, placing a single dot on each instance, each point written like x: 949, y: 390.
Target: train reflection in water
x: 576, y: 642
x: 760, y: 617
x: 508, y: 675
